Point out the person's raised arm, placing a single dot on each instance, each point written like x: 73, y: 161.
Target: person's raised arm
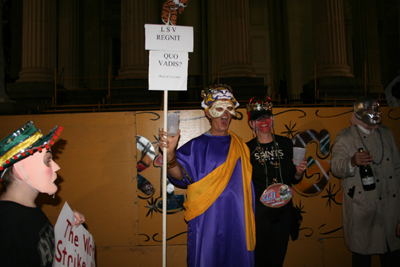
x: 170, y: 142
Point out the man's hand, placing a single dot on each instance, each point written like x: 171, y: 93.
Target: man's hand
x: 361, y: 158
x: 79, y: 218
x: 170, y: 142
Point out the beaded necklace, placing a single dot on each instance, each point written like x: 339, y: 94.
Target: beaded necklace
x: 263, y: 161
x: 383, y: 149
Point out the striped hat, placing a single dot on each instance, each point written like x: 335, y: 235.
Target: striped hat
x: 24, y: 142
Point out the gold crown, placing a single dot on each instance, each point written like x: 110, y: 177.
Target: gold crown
x: 259, y: 106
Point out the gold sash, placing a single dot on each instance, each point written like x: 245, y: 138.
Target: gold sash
x: 202, y: 194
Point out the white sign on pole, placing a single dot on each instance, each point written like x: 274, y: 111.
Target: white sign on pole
x: 169, y: 38
x: 168, y: 70
x: 169, y: 46
x: 74, y: 245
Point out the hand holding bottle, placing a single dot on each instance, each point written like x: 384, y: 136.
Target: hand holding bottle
x: 361, y: 158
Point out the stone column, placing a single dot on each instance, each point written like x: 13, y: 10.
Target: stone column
x: 329, y: 39
x: 38, y: 41
x: 365, y: 43
x: 134, y: 57
x: 69, y: 45
x: 235, y: 49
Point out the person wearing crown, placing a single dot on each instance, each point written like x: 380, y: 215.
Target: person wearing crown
x: 216, y: 169
x: 370, y: 218
x: 273, y: 174
x: 27, y: 169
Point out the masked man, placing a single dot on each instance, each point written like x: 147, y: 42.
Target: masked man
x: 216, y: 168
x: 370, y: 217
x: 27, y: 169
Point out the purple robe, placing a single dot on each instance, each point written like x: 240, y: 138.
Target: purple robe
x: 218, y: 236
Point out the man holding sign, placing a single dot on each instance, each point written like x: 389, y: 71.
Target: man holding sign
x: 27, y: 169
x: 216, y: 169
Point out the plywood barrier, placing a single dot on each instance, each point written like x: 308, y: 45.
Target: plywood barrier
x: 111, y: 172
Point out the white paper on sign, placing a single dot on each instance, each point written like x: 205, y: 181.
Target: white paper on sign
x: 169, y: 38
x: 74, y: 245
x: 168, y: 70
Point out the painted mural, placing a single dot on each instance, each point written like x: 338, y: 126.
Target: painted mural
x: 318, y: 197
x: 111, y: 172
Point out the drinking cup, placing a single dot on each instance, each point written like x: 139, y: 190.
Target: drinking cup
x: 173, y: 124
x: 298, y: 155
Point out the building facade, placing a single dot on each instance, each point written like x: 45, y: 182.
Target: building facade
x: 80, y: 52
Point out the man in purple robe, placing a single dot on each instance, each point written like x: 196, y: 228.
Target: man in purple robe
x: 216, y: 169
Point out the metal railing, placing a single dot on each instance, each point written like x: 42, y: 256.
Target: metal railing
x: 105, y: 105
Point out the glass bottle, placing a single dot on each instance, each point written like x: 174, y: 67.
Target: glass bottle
x: 367, y: 177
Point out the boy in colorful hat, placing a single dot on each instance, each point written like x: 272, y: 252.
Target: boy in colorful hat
x: 215, y: 167
x: 27, y: 169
